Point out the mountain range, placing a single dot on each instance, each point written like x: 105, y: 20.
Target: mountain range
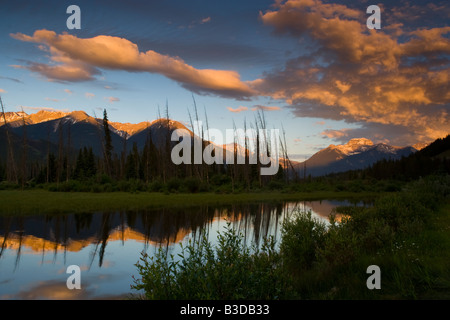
x: 45, y: 131
x: 357, y: 154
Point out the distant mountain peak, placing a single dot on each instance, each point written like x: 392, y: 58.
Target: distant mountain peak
x: 78, y: 115
x: 360, y: 142
x: 355, y: 154
x: 420, y: 145
x: 353, y: 146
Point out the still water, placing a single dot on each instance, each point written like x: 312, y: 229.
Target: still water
x: 36, y: 250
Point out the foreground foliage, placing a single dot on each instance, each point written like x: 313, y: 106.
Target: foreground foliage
x: 405, y: 234
x: 228, y: 271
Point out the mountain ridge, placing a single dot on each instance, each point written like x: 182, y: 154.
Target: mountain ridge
x: 86, y: 130
x: 358, y: 153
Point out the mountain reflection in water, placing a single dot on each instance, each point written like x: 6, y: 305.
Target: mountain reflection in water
x: 83, y: 239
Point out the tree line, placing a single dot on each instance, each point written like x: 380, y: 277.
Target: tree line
x: 152, y: 163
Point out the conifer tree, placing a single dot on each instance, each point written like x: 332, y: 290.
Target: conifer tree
x: 108, y: 143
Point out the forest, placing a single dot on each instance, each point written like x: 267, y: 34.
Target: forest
x: 149, y: 167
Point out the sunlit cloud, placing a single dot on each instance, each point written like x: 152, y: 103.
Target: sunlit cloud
x: 112, y: 99
x: 76, y: 59
x: 393, y: 77
x: 265, y: 108
x: 33, y: 109
x: 205, y: 20
x: 52, y: 99
x: 335, y: 134
x: 238, y: 109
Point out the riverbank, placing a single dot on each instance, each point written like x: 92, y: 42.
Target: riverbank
x: 404, y: 235
x: 37, y: 201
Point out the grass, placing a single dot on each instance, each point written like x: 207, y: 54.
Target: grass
x: 42, y: 201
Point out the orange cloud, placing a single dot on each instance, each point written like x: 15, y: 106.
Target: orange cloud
x: 265, y: 108
x: 334, y: 134
x: 360, y: 75
x: 80, y: 60
x: 238, y: 109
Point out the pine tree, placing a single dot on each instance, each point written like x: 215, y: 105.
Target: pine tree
x: 108, y: 144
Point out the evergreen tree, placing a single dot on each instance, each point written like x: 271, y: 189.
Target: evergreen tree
x: 108, y: 144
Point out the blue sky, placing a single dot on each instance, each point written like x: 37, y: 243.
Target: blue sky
x: 312, y: 65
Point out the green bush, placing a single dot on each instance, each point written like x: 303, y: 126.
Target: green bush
x: 203, y: 271
x: 192, y: 184
x: 174, y: 185
x: 302, y: 237
x: 317, y: 260
x: 155, y: 186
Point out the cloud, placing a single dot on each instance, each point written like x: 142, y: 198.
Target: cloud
x: 52, y: 99
x: 335, y: 134
x: 238, y: 109
x: 75, y: 59
x: 2, y: 91
x: 11, y: 79
x: 265, y: 108
x: 112, y: 99
x: 89, y: 95
x: 394, y: 78
x: 205, y: 20
x: 68, y: 91
x: 44, y: 109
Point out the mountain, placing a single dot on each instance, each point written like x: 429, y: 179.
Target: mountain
x: 356, y: 154
x: 45, y: 131
x: 16, y: 119
x: 48, y: 131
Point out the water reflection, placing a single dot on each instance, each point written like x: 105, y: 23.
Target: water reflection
x: 106, y: 245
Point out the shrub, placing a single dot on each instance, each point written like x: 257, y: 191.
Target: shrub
x: 155, y: 186
x: 302, y: 237
x: 173, y: 185
x: 203, y: 271
x: 192, y: 184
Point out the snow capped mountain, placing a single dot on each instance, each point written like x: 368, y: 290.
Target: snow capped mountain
x: 420, y: 145
x: 353, y: 146
x: 13, y: 116
x: 45, y: 115
x: 87, y: 131
x: 356, y: 154
x: 17, y: 118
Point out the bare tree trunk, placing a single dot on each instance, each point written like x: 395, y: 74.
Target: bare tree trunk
x: 68, y: 168
x: 24, y: 152
x: 123, y: 157
x: 11, y: 172
x: 60, y: 152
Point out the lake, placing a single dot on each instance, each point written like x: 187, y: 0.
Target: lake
x: 36, y: 250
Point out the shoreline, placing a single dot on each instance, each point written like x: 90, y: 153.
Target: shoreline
x: 29, y: 202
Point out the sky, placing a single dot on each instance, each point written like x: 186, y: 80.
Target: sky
x: 313, y: 67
